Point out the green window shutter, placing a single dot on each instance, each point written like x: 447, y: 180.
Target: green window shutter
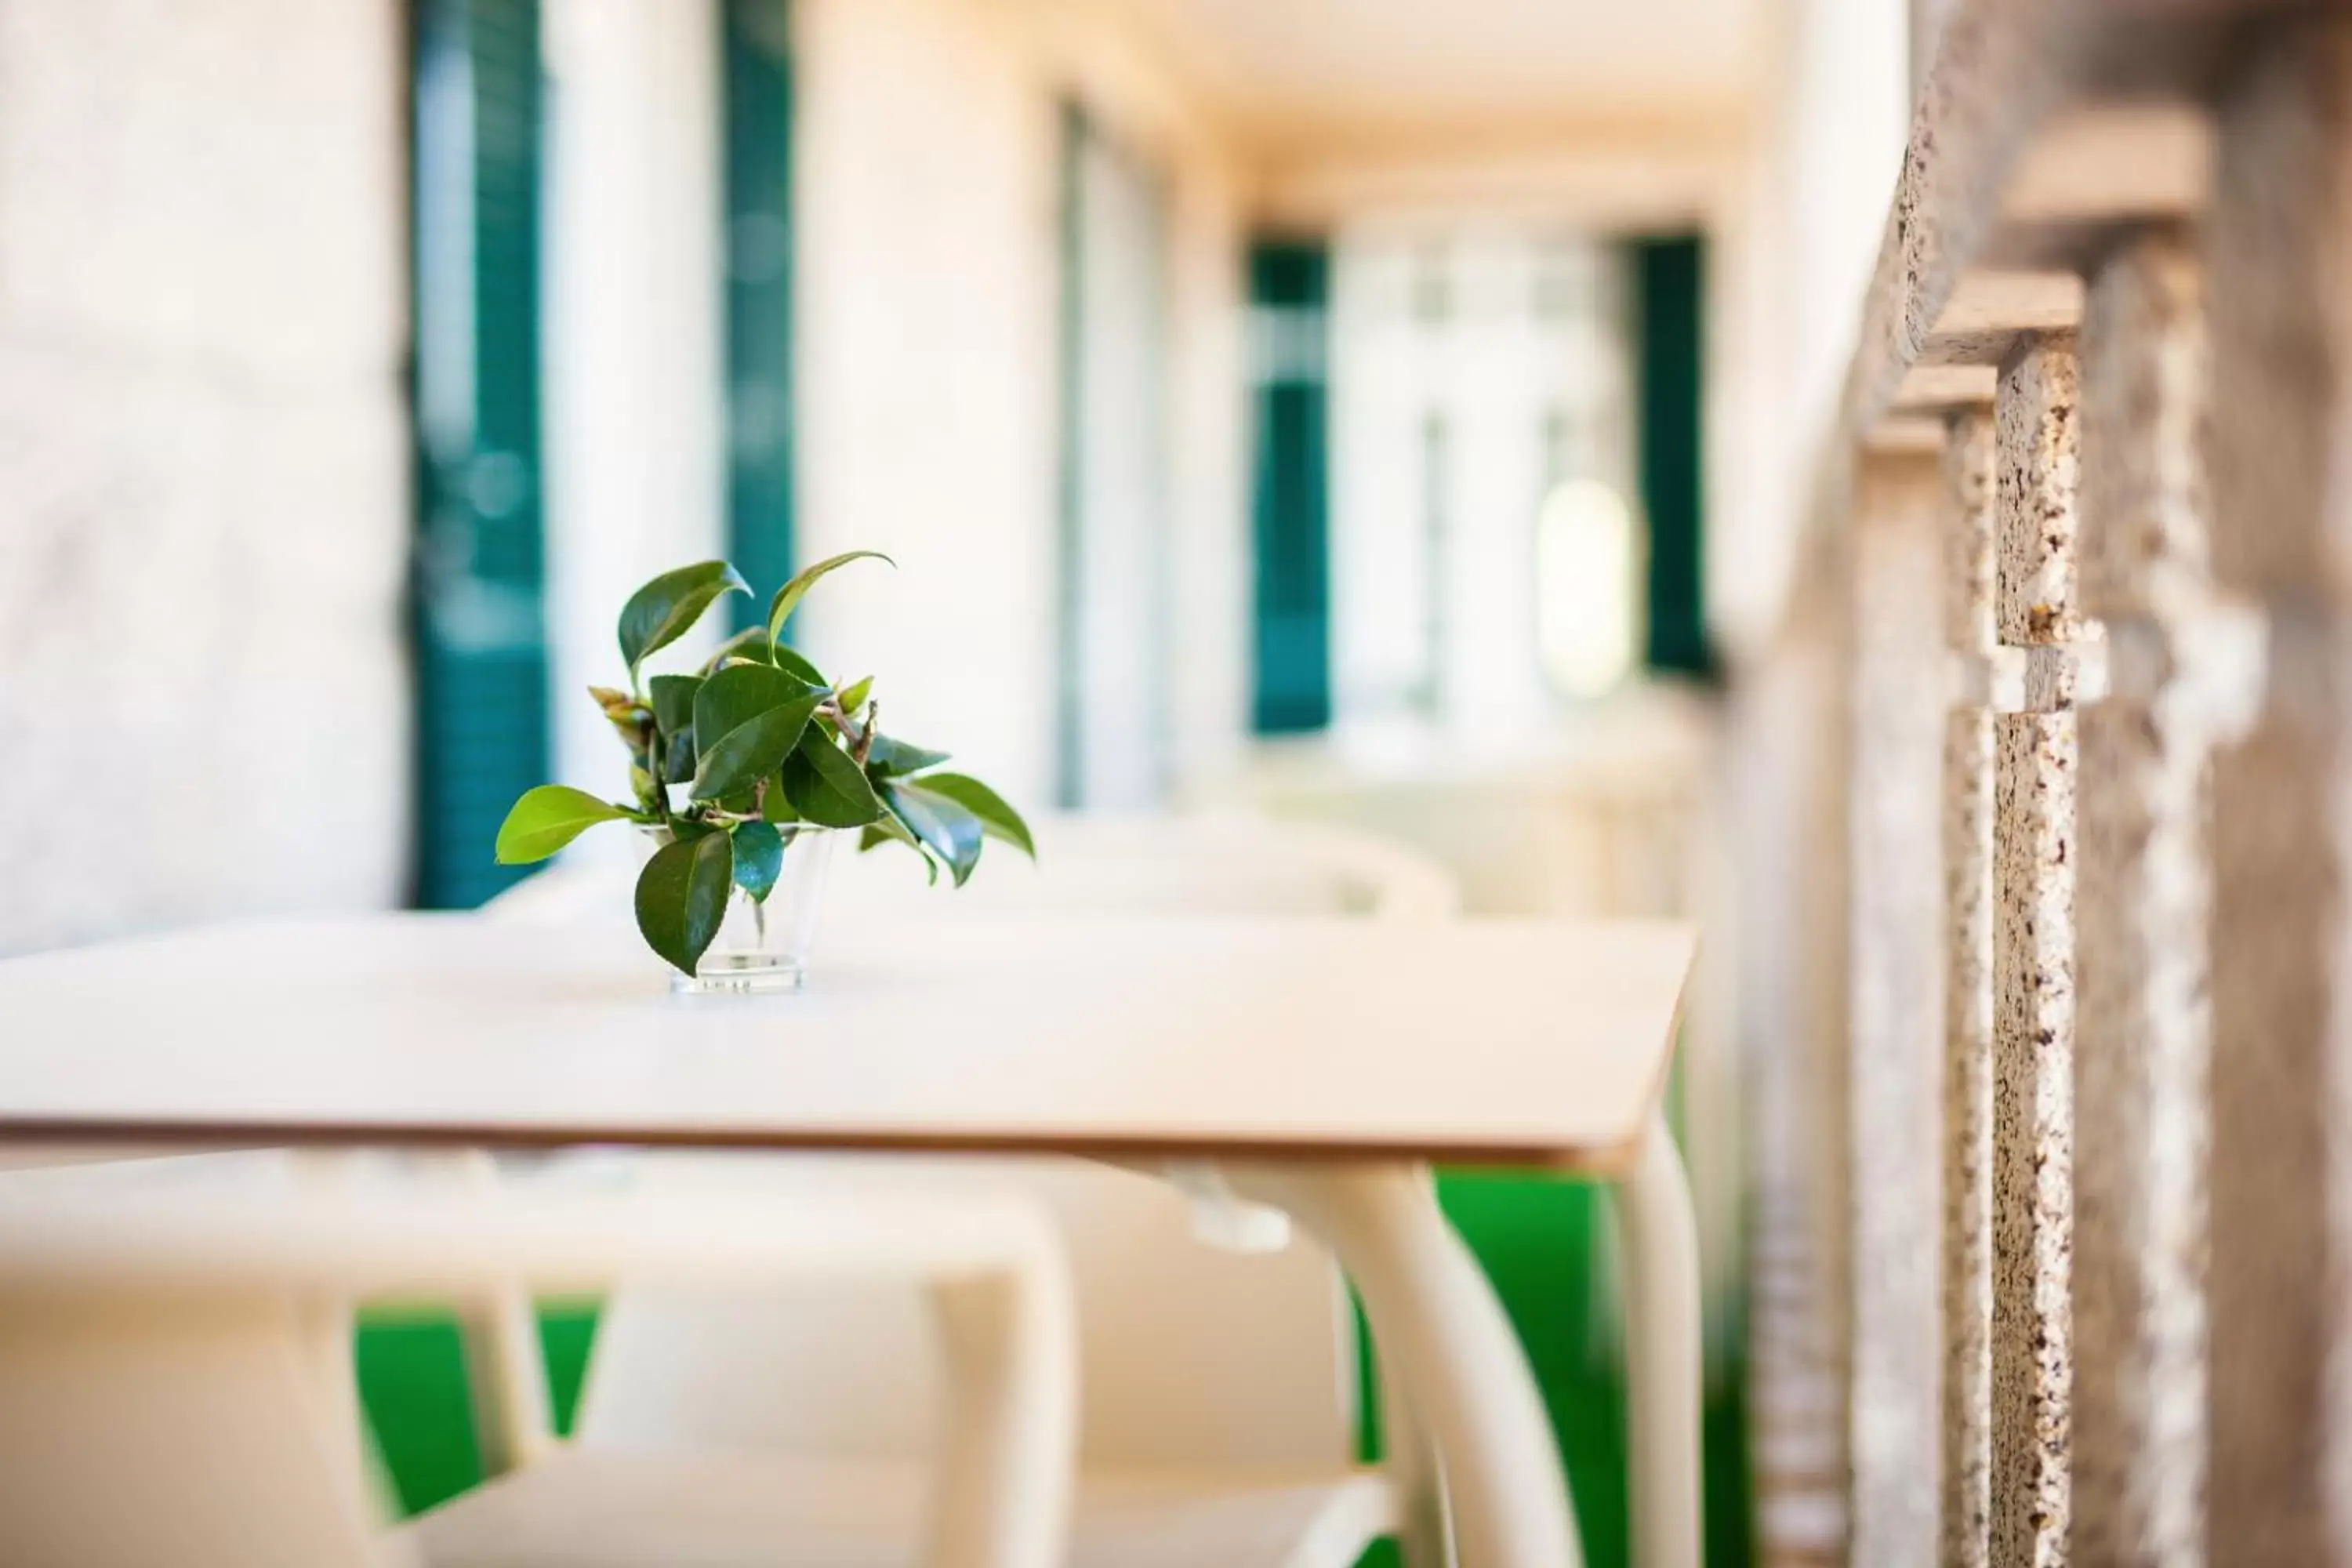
x: 1290, y: 302
x: 1669, y: 281
x: 756, y: 46
x: 478, y: 626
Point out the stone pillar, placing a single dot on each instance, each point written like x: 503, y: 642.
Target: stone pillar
x: 2143, y: 1033
x: 1896, y: 897
x: 2033, y: 957
x: 2279, y: 255
x: 1964, y: 1499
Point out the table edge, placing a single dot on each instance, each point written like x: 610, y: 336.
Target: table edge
x: 1606, y: 1162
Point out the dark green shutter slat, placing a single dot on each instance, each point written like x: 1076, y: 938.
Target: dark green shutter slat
x: 1290, y: 296
x: 481, y: 655
x: 1669, y: 290
x: 759, y: 254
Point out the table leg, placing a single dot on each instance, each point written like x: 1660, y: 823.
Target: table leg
x: 1661, y: 1352
x: 1436, y: 1321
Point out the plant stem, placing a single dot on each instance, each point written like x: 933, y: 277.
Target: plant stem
x: 658, y: 757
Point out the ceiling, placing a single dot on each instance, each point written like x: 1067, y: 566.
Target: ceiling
x: 1318, y: 70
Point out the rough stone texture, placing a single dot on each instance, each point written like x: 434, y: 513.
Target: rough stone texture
x: 2145, y: 504
x: 1969, y: 494
x: 2142, y: 1030
x: 2281, y: 322
x: 2002, y: 68
x: 1820, y: 661
x: 202, y: 460
x: 1785, y: 723
x: 2033, y: 978
x: 1894, y: 972
x: 1999, y: 66
x: 1796, y: 1441
x: 1964, y: 1494
x: 2033, y: 1115
x: 2038, y: 461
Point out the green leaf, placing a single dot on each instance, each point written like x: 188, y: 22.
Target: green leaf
x: 825, y: 787
x: 659, y: 614
x: 752, y: 750
x: 682, y: 898
x: 679, y: 761
x: 789, y: 596
x: 888, y: 758
x: 887, y: 829
x: 776, y: 805
x: 999, y: 819
x: 794, y: 663
x: 759, y: 859
x: 751, y: 642
x: 674, y: 701
x: 945, y: 826
x: 753, y: 646
x: 854, y: 695
x: 741, y: 693
x: 546, y: 819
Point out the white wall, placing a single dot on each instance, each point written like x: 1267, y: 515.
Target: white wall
x: 634, y: 376
x: 1806, y: 219
x: 203, y: 511
x: 929, y: 203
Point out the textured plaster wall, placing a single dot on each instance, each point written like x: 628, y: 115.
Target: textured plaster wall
x: 929, y: 210
x: 203, y: 463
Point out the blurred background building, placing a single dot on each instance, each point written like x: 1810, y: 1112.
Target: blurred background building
x: 1355, y: 408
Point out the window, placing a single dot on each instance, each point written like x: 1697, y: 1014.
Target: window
x: 1488, y: 526
x: 1587, y: 587
x: 1428, y: 689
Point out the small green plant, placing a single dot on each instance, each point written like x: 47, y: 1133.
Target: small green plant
x: 762, y: 747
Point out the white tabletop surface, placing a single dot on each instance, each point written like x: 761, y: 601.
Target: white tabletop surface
x: 1522, y: 1042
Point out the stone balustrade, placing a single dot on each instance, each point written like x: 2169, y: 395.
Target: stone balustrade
x: 2075, y: 1032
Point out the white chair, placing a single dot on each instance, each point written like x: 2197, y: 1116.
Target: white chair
x: 1218, y: 1387
x: 175, y: 1345
x: 1222, y: 863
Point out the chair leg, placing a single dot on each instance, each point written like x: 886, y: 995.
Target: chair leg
x: 1661, y: 1352
x: 1010, y: 1440
x: 506, y: 1373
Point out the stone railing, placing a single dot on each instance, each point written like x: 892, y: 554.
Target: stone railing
x: 2062, y: 722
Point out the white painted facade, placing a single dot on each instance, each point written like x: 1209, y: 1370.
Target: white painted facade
x: 203, y: 463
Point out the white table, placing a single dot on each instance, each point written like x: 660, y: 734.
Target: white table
x: 1323, y: 1064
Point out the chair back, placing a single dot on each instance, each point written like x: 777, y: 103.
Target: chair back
x: 1223, y: 864
x: 142, y: 1428
x: 163, y: 1415
x: 1187, y: 1353
x: 1207, y: 864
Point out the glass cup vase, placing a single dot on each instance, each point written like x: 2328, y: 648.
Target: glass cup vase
x: 763, y: 944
